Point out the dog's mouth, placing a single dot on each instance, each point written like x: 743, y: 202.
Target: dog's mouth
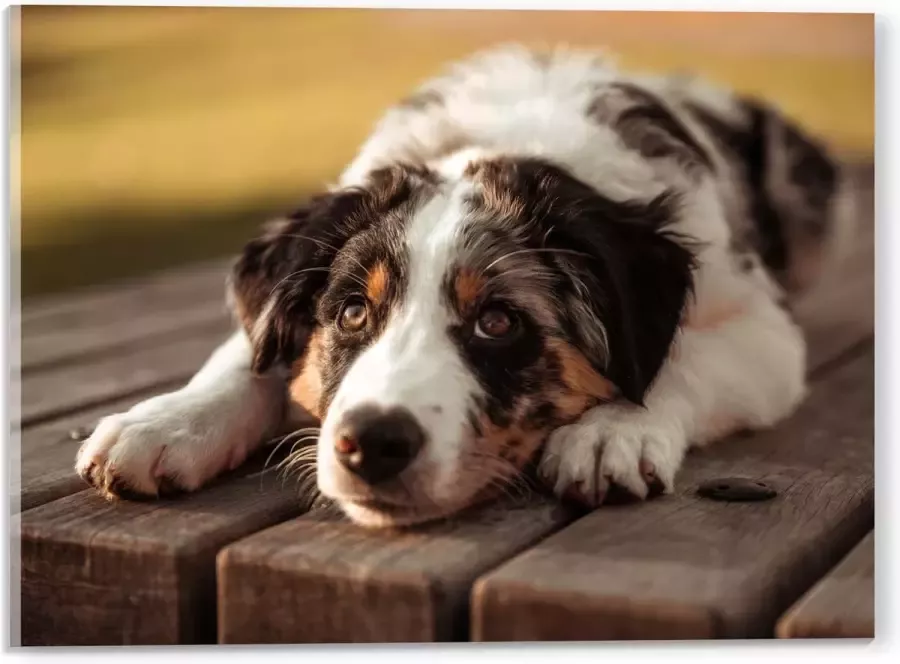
x: 377, y: 504
x: 375, y: 512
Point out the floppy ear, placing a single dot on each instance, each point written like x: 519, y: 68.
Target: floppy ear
x: 274, y: 284
x: 630, y: 282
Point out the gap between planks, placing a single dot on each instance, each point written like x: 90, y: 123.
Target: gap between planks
x: 841, y: 604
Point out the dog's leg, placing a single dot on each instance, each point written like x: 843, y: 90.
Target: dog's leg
x: 185, y: 438
x: 746, y: 371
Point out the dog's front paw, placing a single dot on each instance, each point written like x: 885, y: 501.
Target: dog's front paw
x: 613, y: 446
x: 163, y: 445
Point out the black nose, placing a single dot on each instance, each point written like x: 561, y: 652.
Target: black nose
x: 377, y: 444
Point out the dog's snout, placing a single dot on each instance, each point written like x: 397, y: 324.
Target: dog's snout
x: 377, y: 444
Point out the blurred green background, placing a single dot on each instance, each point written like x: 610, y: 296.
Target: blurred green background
x: 164, y: 135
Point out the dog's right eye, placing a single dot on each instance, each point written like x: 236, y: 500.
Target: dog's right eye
x: 353, y: 315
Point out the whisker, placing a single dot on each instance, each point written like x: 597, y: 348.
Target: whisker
x: 325, y: 245
x: 297, y: 274
x: 543, y: 250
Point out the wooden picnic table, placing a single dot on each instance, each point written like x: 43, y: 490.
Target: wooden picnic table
x: 239, y: 563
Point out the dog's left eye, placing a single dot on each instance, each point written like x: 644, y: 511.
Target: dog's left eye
x: 354, y: 315
x: 494, y: 323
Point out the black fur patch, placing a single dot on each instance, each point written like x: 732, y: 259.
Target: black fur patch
x: 646, y: 124
x: 598, y: 262
x: 787, y: 179
x: 422, y: 99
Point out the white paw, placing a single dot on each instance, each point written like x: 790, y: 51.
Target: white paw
x: 613, y: 445
x: 172, y: 442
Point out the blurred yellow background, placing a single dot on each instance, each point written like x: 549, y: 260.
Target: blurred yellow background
x: 156, y: 136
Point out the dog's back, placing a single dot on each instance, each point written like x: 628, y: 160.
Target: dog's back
x: 785, y: 197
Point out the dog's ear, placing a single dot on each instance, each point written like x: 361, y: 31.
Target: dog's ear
x: 274, y: 284
x: 630, y: 280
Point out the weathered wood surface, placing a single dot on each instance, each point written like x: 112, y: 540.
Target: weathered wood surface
x: 97, y: 572
x: 842, y: 604
x: 61, y: 390
x: 76, y: 327
x: 324, y: 580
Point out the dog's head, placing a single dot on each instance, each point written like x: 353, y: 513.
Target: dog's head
x: 441, y: 329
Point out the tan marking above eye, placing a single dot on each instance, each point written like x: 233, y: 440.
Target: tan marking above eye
x: 377, y: 283
x: 468, y: 286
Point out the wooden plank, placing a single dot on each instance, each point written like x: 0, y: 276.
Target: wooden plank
x: 46, y: 456
x: 686, y: 567
x: 87, y: 342
x: 61, y: 390
x: 841, y: 605
x: 115, y: 573
x: 321, y: 579
x: 132, y: 295
x: 80, y: 325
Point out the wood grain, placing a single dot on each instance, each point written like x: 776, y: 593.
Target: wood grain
x: 684, y: 567
x: 164, y: 289
x: 62, y: 390
x: 116, y: 573
x: 78, y: 328
x: 840, y: 605
x: 323, y: 580
x: 90, y: 340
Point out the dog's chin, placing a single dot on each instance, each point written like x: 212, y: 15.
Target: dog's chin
x: 374, y: 514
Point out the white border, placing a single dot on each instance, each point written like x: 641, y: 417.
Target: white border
x: 887, y: 294
x: 9, y: 273
x: 813, y: 6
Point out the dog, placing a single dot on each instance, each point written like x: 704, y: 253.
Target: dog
x: 535, y: 259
